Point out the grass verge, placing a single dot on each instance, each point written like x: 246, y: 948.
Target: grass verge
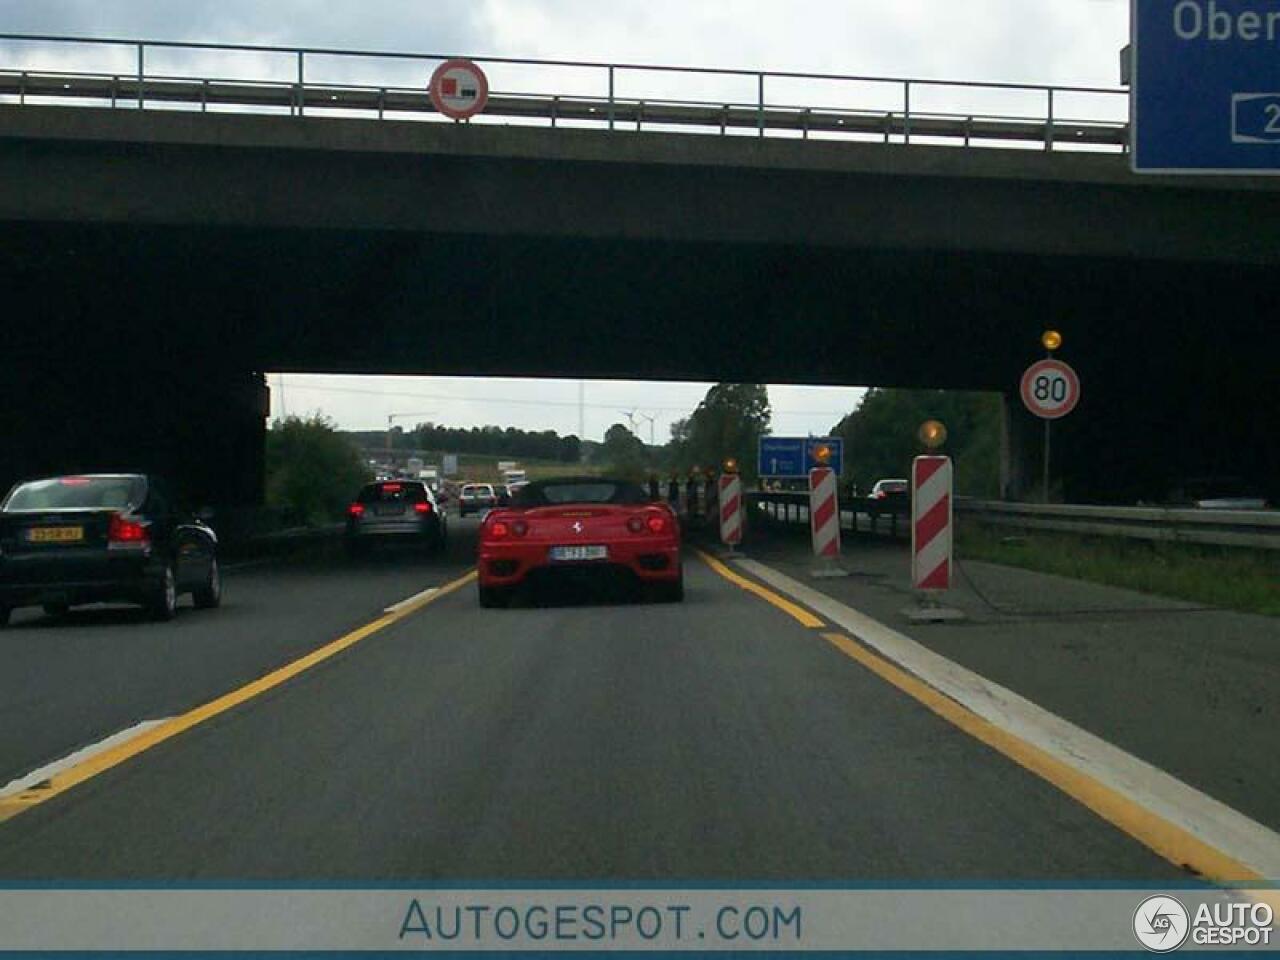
x: 1231, y: 578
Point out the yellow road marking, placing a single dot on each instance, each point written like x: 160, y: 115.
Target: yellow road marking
x: 764, y: 593
x: 1168, y: 840
x: 64, y: 780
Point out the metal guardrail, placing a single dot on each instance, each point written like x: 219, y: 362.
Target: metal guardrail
x: 1259, y: 529
x: 883, y: 517
x: 136, y: 87
x: 1256, y: 529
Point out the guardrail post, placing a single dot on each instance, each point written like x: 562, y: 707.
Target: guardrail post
x: 22, y: 88
x: 906, y: 111
x: 805, y: 124
x: 204, y: 96
x: 760, y: 104
x: 555, y: 108
x: 140, y: 76
x: 610, y: 96
x: 382, y: 101
x: 968, y: 129
x: 1048, y: 127
x: 302, y: 96
x: 639, y: 114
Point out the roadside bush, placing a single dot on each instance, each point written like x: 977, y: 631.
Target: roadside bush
x: 312, y: 471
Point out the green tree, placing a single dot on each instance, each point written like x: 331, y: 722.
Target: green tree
x: 624, y: 453
x: 727, y: 423
x: 880, y: 436
x: 312, y: 470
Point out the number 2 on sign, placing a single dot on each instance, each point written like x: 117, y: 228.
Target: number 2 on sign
x: 1272, y: 110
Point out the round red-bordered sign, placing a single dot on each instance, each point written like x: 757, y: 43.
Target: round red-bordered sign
x: 459, y: 89
x: 1050, y: 389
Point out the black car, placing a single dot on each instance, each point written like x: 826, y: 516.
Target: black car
x: 96, y: 538
x: 395, y: 509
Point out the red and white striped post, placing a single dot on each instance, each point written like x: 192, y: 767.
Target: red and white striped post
x: 730, y: 500
x: 931, y: 523
x: 824, y: 521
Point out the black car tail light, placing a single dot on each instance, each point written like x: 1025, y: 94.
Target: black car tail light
x: 125, y: 532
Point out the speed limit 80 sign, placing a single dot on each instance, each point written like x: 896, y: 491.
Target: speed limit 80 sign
x: 1050, y: 389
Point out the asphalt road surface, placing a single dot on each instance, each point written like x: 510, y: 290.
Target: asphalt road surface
x: 576, y: 738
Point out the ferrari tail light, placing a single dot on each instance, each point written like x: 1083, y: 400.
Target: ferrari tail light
x: 499, y: 530
x: 519, y: 528
x: 355, y: 510
x: 422, y: 507
x: 654, y: 523
x: 120, y: 529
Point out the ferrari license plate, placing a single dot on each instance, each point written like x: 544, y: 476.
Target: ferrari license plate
x: 580, y: 553
x: 56, y: 534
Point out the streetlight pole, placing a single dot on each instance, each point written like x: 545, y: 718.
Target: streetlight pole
x: 392, y: 417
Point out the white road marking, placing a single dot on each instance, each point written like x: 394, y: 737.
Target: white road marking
x: 400, y: 605
x: 49, y: 769
x: 1199, y: 814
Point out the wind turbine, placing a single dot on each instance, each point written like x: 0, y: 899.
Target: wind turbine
x: 645, y: 416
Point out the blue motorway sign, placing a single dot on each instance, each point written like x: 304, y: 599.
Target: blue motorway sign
x: 795, y: 456
x: 1205, y: 91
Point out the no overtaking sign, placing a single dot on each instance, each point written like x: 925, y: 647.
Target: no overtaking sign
x: 459, y: 89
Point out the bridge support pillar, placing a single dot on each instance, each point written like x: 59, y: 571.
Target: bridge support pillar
x: 204, y: 430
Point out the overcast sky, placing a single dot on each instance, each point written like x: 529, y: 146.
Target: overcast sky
x: 1063, y: 42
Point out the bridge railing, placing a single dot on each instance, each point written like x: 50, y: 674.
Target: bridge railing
x: 299, y: 81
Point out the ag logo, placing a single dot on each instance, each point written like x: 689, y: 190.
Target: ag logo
x: 1161, y: 924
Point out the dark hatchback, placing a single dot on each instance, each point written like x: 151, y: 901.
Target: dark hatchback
x: 103, y: 538
x: 395, y: 509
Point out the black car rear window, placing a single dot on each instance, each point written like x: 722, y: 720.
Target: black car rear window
x: 550, y: 493
x: 393, y: 492
x: 125, y: 492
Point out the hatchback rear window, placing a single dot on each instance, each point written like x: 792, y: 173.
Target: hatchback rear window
x: 79, y: 493
x: 392, y: 492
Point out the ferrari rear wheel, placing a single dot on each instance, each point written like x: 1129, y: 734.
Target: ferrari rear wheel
x: 56, y: 609
x: 494, y: 597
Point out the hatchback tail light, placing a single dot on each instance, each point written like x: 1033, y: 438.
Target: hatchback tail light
x: 422, y: 507
x: 124, y: 531
x: 356, y: 510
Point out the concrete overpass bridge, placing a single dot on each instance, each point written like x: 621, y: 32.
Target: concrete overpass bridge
x: 156, y: 261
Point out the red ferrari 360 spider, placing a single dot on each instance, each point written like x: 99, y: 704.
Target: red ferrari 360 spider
x: 579, y: 527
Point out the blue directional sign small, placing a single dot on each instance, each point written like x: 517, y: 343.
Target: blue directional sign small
x: 781, y: 457
x: 795, y: 456
x: 1205, y: 91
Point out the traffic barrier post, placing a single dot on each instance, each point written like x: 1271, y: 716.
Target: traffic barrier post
x: 730, y: 500
x: 931, y: 537
x: 824, y: 522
